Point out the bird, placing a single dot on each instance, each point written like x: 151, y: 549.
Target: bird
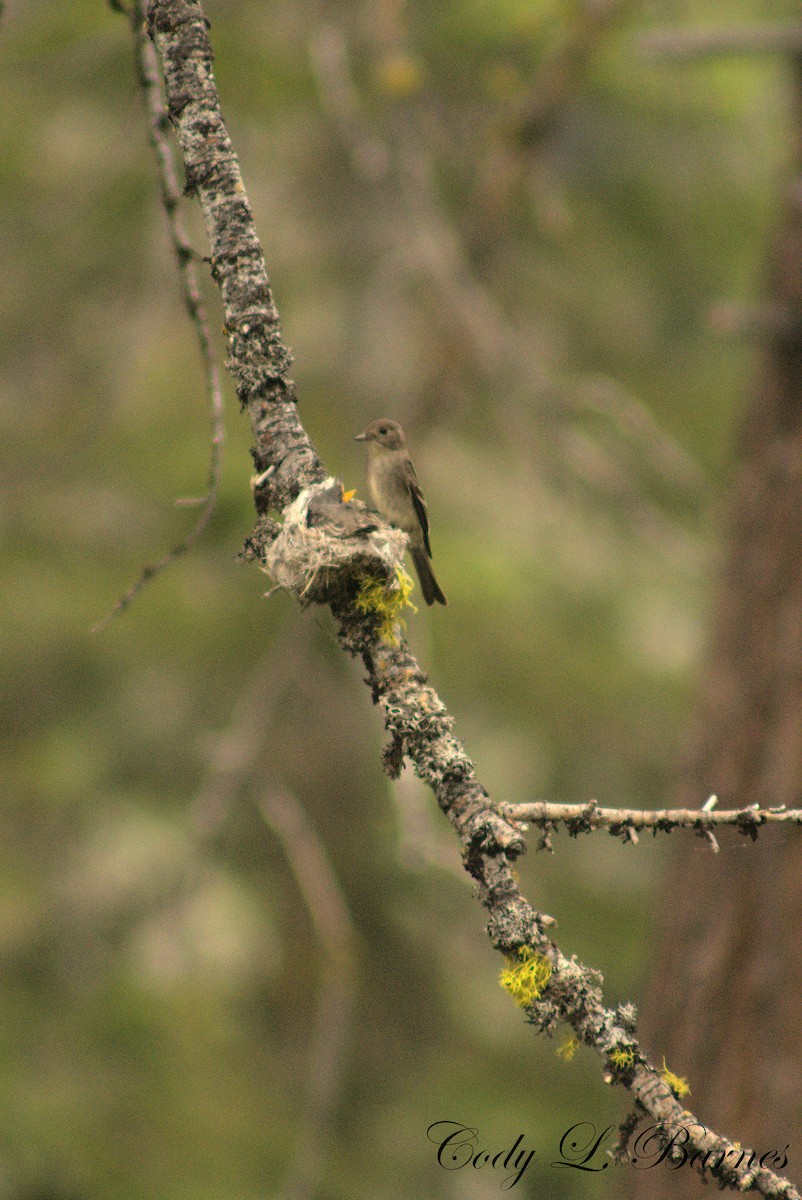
x: 394, y: 489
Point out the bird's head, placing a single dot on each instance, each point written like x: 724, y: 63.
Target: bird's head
x: 384, y: 432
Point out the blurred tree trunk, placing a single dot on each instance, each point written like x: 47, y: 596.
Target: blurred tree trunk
x: 725, y: 995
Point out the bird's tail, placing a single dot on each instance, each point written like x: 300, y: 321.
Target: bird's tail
x: 428, y: 583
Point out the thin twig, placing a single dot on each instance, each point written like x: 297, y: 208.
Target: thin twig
x: 171, y: 195
x: 624, y: 822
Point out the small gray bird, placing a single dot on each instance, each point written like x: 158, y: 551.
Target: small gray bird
x: 395, y: 491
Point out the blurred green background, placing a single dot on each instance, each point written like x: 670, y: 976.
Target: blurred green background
x: 533, y: 241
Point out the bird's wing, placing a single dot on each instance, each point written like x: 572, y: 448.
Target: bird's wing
x: 419, y: 504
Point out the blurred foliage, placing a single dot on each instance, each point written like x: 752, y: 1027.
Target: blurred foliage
x: 534, y: 304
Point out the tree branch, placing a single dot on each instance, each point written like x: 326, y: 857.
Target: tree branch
x: 258, y: 358
x: 624, y: 822
x: 419, y: 725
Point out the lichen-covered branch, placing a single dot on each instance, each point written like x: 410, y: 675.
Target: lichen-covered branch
x: 257, y: 356
x: 626, y: 822
x: 150, y: 83
x: 331, y: 536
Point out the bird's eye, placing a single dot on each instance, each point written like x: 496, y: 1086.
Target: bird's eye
x: 383, y: 429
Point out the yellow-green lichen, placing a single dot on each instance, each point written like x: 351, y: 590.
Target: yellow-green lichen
x: 622, y: 1056
x: 679, y: 1086
x: 385, y: 599
x: 525, y: 975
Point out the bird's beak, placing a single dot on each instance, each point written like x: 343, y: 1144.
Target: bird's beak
x: 361, y: 437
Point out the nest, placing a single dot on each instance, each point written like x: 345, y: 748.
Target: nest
x: 327, y: 543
